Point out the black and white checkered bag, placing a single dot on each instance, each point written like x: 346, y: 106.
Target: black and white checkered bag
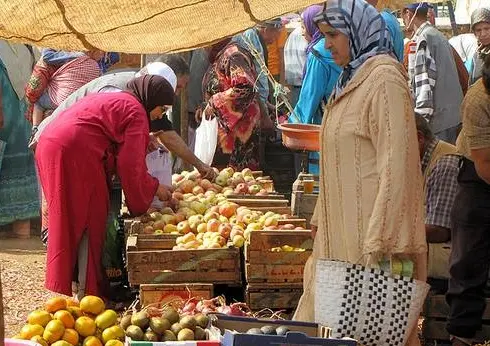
x: 367, y: 304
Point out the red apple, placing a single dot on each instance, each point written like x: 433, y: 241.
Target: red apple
x: 213, y: 225
x: 241, y: 188
x: 224, y: 230
x: 228, y: 209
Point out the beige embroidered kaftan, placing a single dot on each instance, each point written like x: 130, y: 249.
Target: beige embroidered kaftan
x: 371, y: 192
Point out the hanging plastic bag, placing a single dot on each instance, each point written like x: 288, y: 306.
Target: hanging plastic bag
x: 206, y: 140
x: 159, y: 165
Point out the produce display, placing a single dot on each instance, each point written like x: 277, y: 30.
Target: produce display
x: 208, y: 220
x: 180, y: 320
x: 63, y: 322
x: 227, y: 181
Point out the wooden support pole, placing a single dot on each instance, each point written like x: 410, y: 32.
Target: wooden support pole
x: 452, y: 18
x: 184, y: 116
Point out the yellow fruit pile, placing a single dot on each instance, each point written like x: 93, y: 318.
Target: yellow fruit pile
x: 63, y: 322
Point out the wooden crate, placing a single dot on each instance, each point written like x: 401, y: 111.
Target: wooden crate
x: 435, y: 315
x: 263, y: 265
x: 218, y: 266
x: 273, y: 296
x: 164, y: 293
x: 142, y: 242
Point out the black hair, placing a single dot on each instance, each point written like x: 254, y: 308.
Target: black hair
x: 176, y: 63
x: 420, y: 13
x: 485, y: 72
x: 423, y: 127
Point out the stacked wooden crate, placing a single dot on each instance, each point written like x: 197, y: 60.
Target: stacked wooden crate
x: 161, y: 272
x: 273, y: 202
x: 275, y: 279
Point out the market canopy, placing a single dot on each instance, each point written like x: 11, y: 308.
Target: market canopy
x: 134, y: 26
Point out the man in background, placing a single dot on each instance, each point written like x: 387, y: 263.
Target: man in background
x: 433, y: 76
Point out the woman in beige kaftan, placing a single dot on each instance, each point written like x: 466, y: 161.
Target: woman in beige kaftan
x: 371, y: 200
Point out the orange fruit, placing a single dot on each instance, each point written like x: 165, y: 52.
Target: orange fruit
x: 54, y: 331
x: 114, y: 343
x: 61, y: 343
x: 85, y: 326
x: 40, y: 317
x: 30, y: 330
x: 71, y: 302
x: 75, y: 311
x: 92, y: 341
x: 113, y: 333
x: 65, y: 317
x: 92, y: 305
x: 39, y: 339
x: 55, y: 304
x: 71, y: 336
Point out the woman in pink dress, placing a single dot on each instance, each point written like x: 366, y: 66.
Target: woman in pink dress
x: 75, y: 157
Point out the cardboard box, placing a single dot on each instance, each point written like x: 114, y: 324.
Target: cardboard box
x: 291, y: 338
x: 243, y: 324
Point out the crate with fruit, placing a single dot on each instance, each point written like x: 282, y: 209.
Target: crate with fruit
x: 277, y: 255
x: 274, y: 264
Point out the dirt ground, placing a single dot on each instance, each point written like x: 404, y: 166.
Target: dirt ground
x: 22, y: 266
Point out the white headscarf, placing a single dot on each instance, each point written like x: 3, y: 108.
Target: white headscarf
x: 159, y: 69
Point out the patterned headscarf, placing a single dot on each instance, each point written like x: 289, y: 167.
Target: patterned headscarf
x: 480, y: 15
x: 365, y: 28
x: 308, y: 16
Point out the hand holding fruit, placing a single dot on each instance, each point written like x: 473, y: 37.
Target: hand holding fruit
x: 164, y: 193
x: 207, y: 172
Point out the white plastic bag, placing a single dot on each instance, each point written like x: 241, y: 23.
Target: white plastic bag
x: 159, y: 165
x: 206, y: 140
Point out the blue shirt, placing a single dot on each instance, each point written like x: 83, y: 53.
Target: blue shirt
x: 395, y: 32
x: 320, y: 78
x: 252, y: 36
x: 321, y: 75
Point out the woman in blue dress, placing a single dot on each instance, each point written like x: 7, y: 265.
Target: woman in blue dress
x: 320, y: 75
x: 19, y: 199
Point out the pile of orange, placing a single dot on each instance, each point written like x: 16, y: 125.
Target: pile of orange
x: 64, y: 322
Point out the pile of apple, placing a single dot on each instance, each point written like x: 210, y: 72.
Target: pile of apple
x: 223, y: 226
x: 227, y: 182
